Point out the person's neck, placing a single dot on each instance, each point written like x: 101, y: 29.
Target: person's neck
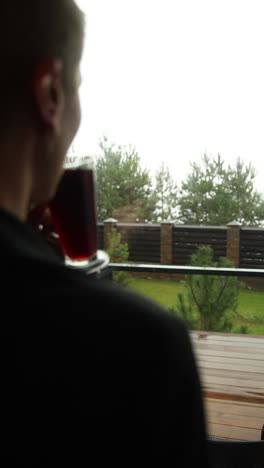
x: 15, y: 177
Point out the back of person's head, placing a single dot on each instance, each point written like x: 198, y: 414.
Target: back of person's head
x: 32, y: 31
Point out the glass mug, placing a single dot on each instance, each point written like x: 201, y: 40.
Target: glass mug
x: 73, y: 212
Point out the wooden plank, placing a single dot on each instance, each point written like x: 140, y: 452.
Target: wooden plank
x: 255, y: 365
x: 237, y: 424
x: 231, y: 393
x: 236, y: 348
x: 234, y: 374
x: 234, y: 420
x: 203, y: 338
x: 228, y: 380
x: 235, y: 386
x: 230, y: 408
x: 232, y: 364
x: 232, y: 432
x: 229, y: 354
x: 229, y: 338
x: 235, y: 345
x: 229, y: 367
x: 220, y: 348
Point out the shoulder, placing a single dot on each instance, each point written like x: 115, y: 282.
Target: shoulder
x: 107, y: 297
x: 126, y: 314
x: 86, y: 305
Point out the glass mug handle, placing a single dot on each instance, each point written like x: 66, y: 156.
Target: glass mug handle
x: 39, y: 218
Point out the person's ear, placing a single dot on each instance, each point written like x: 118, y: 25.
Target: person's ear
x: 48, y: 93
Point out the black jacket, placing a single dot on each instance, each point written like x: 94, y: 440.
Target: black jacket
x: 90, y: 373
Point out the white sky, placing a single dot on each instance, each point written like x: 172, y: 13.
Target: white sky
x: 175, y: 78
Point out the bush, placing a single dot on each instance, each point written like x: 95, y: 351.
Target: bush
x: 118, y: 253
x: 210, y: 299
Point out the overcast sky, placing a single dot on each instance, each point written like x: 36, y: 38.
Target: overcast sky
x: 175, y: 78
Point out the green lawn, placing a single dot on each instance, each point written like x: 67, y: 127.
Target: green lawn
x: 250, y: 308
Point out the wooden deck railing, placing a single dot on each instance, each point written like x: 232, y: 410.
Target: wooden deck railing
x: 195, y: 270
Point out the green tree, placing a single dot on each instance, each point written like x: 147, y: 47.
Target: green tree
x: 118, y: 253
x: 165, y: 192
x: 121, y: 181
x: 214, y: 194
x: 210, y: 299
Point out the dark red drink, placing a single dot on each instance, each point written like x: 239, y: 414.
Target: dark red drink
x: 74, y: 214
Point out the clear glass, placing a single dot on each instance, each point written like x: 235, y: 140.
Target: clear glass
x: 73, y: 211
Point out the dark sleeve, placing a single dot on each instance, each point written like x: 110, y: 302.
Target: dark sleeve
x: 161, y: 414
x: 117, y: 381
x: 183, y: 411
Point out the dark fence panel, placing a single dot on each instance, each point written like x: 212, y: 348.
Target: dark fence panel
x: 186, y: 240
x: 100, y: 236
x: 251, y: 248
x: 143, y: 241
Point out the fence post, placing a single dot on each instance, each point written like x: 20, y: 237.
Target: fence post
x: 109, y: 225
x: 166, y: 242
x: 233, y: 242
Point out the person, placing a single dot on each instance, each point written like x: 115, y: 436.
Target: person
x: 90, y: 372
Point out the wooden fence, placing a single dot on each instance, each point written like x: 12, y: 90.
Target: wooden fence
x: 171, y: 244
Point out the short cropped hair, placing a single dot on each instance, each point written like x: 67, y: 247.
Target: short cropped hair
x: 30, y: 32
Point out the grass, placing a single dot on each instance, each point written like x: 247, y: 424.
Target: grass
x: 251, y: 306
x: 250, y: 311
